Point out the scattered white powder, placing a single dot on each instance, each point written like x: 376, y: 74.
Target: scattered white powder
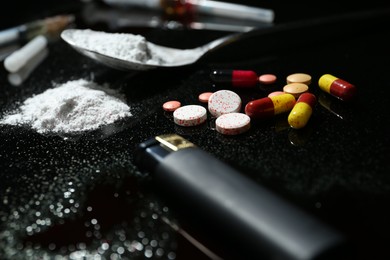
x: 74, y: 106
x: 123, y: 46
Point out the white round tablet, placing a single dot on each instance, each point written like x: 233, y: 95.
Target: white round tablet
x: 232, y: 123
x: 190, y: 115
x: 223, y: 102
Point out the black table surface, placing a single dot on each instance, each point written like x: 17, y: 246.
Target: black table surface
x: 75, y: 196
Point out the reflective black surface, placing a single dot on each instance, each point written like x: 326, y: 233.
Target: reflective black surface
x: 75, y: 196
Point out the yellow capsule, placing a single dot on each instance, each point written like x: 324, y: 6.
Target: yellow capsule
x: 302, y: 111
x: 283, y: 103
x: 326, y: 81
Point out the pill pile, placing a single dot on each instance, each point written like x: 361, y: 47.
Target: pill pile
x: 225, y: 105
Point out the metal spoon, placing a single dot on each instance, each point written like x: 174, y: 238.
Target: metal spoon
x: 172, y: 57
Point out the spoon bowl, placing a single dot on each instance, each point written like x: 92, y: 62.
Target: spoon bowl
x: 163, y: 56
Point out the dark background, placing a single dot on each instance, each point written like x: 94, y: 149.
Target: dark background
x: 83, y: 196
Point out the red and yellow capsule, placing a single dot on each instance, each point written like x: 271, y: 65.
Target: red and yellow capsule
x: 269, y: 106
x: 339, y: 88
x: 302, y: 110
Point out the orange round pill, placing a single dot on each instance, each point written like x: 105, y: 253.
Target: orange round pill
x: 204, y: 97
x: 171, y: 105
x: 267, y: 79
x: 299, y: 78
x: 295, y: 89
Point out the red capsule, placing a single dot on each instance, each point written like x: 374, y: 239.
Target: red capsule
x: 235, y: 78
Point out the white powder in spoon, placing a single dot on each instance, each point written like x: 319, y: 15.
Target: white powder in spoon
x: 74, y: 106
x: 125, y: 46
x: 133, y: 48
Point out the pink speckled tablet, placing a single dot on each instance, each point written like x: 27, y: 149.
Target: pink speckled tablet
x: 223, y: 102
x: 190, y: 115
x: 275, y: 93
x: 171, y: 105
x: 267, y: 79
x: 204, y: 97
x: 232, y: 123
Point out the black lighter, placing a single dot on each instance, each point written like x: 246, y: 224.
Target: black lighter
x: 245, y: 213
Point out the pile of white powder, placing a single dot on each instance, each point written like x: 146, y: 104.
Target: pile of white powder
x: 130, y: 47
x: 74, y: 106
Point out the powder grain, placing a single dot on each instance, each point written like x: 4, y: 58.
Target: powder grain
x: 74, y: 106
